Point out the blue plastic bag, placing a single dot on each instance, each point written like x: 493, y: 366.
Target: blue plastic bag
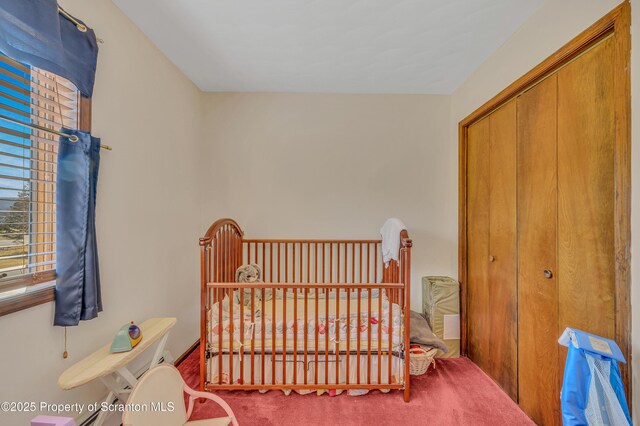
x: 592, y: 390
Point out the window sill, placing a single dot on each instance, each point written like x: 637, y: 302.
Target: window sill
x: 26, y: 300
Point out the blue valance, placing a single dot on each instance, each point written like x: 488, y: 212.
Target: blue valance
x: 35, y: 33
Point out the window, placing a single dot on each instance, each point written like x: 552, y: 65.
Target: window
x: 28, y: 179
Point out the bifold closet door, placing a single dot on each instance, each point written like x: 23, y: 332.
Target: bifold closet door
x: 545, y: 197
x: 478, y: 294
x: 492, y: 246
x: 538, y: 379
x: 502, y: 365
x: 586, y: 191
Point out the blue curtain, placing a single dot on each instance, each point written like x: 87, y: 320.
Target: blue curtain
x: 78, y: 282
x: 34, y: 33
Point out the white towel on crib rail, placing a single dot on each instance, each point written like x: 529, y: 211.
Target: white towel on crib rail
x: 390, y: 232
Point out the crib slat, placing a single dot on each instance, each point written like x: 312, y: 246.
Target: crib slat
x: 326, y: 339
x: 336, y: 324
x: 223, y: 259
x: 225, y: 249
x: 234, y: 254
x: 330, y: 264
x: 231, y: 331
x: 375, y: 264
x: 368, y: 260
x: 379, y: 336
x: 406, y: 303
x: 345, y: 263
x: 284, y: 335
x: 390, y: 339
x: 315, y: 365
x: 253, y: 333
x: 295, y: 336
x: 360, y: 274
x: 369, y: 337
x: 270, y: 262
x: 306, y: 332
x: 324, y: 255
x: 230, y: 249
x: 359, y: 323
x: 308, y: 263
x: 273, y: 336
x: 263, y: 349
x: 348, y: 332
x: 221, y: 299
x: 293, y: 262
x: 241, y: 348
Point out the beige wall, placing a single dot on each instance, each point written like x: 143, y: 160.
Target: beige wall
x: 315, y: 165
x: 283, y: 165
x: 553, y: 25
x: 147, y: 215
x: 548, y: 29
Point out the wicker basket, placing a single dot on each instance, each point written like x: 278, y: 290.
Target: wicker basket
x: 420, y: 360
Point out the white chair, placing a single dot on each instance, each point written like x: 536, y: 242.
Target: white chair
x: 158, y: 400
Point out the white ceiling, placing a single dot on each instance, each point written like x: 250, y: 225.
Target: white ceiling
x: 335, y: 46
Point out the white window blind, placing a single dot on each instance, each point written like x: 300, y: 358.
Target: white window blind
x: 28, y: 172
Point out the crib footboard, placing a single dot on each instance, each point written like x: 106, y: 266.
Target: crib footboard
x: 321, y: 326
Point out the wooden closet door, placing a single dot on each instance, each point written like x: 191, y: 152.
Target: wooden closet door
x: 478, y: 294
x: 586, y: 137
x: 538, y: 380
x: 502, y: 364
x: 491, y: 216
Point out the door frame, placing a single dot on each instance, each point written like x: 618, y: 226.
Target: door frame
x: 617, y: 24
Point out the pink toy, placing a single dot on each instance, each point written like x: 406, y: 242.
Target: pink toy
x: 52, y: 421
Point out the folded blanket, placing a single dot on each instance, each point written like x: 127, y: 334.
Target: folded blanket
x: 390, y: 233
x: 421, y: 333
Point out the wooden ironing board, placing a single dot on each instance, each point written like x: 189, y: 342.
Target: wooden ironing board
x: 112, y: 368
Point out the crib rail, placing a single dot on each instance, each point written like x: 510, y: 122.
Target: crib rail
x: 306, y: 261
x: 314, y: 277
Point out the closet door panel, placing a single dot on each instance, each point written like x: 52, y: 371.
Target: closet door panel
x: 502, y: 365
x: 478, y: 242
x: 538, y: 382
x: 586, y: 137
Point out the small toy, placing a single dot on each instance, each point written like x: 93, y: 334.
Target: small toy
x: 126, y: 339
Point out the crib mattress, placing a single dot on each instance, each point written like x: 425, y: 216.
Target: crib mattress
x: 284, y: 334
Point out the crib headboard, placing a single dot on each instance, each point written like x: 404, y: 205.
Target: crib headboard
x: 221, y: 251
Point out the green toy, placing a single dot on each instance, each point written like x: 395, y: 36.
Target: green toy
x: 126, y: 339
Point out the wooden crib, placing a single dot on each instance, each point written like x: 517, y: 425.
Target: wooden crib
x: 345, y: 332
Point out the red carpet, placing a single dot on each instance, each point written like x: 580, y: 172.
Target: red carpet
x: 456, y: 393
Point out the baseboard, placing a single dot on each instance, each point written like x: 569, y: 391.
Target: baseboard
x: 186, y: 353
